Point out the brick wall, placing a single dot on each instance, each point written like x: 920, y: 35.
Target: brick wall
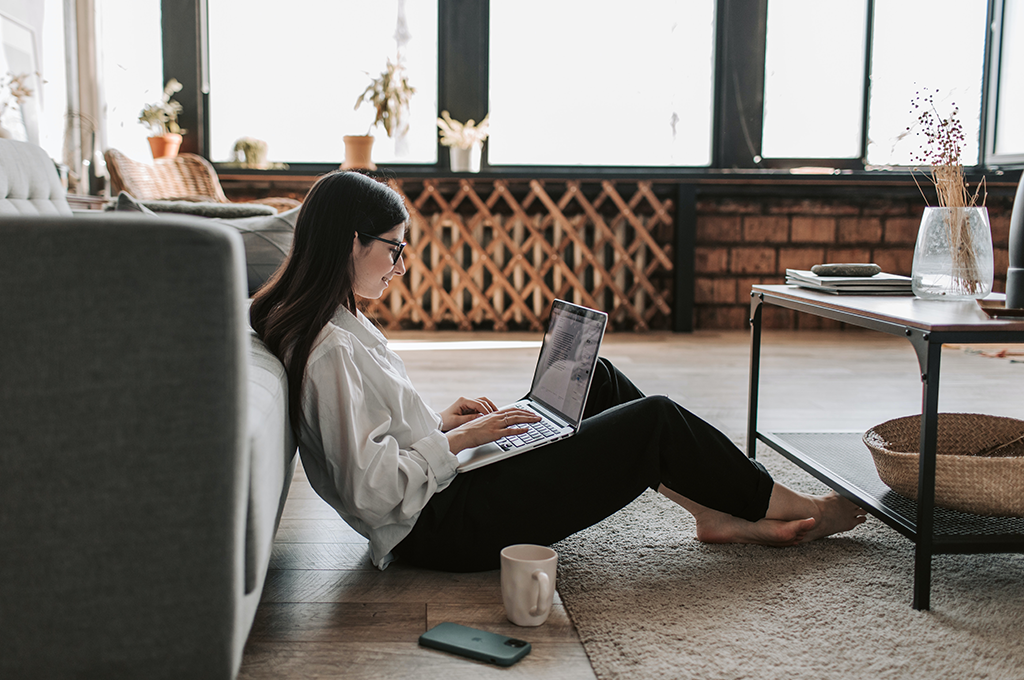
x: 741, y: 242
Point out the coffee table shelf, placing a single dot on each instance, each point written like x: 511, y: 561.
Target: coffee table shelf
x: 843, y: 462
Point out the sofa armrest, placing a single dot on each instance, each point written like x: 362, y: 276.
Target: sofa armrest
x: 123, y: 471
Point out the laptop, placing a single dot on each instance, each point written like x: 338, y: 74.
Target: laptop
x: 561, y: 383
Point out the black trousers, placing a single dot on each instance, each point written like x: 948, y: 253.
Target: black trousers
x: 627, y: 443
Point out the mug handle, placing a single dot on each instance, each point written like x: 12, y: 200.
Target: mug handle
x: 545, y: 593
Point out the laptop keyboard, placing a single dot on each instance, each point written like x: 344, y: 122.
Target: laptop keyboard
x: 537, y: 431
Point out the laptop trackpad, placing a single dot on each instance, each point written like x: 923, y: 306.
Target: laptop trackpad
x: 484, y: 451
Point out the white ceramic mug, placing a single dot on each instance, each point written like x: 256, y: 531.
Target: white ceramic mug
x: 528, y: 583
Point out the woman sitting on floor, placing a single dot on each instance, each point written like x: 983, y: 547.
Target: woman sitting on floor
x: 386, y: 461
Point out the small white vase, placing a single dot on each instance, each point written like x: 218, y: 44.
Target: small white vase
x: 465, y: 160
x: 953, y: 258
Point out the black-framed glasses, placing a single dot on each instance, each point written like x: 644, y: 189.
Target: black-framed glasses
x: 399, y: 245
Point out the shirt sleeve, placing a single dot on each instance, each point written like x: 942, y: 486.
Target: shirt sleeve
x: 383, y: 446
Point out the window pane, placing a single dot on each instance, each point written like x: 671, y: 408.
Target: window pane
x: 54, y: 96
x: 1010, y: 105
x: 292, y: 78
x: 626, y: 84
x: 814, y: 78
x: 924, y: 45
x: 132, y: 71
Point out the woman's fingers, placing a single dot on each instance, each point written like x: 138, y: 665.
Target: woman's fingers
x: 481, y: 405
x: 516, y: 417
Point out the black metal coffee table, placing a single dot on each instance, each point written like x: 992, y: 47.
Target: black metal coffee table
x: 843, y: 462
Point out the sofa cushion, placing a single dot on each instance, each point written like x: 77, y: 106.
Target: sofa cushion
x: 267, y: 238
x: 267, y: 243
x: 269, y: 436
x: 208, y: 209
x: 29, y: 183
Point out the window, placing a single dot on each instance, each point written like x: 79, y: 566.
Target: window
x: 940, y: 56
x: 814, y: 78
x: 1008, y: 137
x: 54, y: 94
x: 634, y: 85
x: 627, y: 84
x: 292, y: 78
x: 131, y: 71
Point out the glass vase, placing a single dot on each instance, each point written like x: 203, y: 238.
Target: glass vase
x: 953, y: 256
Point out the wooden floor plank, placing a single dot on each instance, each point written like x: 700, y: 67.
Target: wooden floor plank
x: 338, y: 622
x: 296, y: 530
x: 395, y: 584
x: 321, y: 556
x: 557, y: 628
x: 404, y: 661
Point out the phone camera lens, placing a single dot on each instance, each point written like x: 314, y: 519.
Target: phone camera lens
x: 515, y: 643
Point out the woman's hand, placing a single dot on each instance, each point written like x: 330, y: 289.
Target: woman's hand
x: 487, y: 428
x: 465, y: 410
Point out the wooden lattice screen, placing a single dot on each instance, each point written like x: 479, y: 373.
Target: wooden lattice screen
x: 494, y: 254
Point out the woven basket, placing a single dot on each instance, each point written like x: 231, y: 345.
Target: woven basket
x: 979, y: 465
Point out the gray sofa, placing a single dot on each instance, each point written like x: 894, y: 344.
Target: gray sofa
x: 145, y: 452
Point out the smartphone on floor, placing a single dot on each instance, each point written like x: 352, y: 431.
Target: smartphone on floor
x: 475, y: 644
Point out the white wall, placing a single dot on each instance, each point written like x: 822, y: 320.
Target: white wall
x: 46, y: 19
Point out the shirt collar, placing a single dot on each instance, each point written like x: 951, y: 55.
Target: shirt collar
x: 358, y: 325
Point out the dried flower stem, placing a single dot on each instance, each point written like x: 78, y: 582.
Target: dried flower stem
x: 944, y: 138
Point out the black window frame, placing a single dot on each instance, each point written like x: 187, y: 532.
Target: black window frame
x: 737, y: 119
x: 991, y: 89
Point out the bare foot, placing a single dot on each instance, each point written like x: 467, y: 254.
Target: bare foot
x: 718, y: 527
x: 835, y: 514
x: 793, y: 518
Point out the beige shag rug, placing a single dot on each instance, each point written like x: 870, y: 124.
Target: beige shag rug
x: 649, y: 601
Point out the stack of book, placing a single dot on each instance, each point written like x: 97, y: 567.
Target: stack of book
x: 879, y: 284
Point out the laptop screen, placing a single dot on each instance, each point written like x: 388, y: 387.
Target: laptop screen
x: 567, y: 359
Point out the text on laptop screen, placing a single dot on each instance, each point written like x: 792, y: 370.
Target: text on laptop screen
x: 567, y: 359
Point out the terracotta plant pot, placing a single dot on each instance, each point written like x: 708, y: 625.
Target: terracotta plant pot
x: 166, y: 146
x: 358, y: 150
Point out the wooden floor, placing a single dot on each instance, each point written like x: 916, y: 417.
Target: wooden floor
x: 327, y: 613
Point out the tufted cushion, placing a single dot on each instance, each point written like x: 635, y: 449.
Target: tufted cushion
x: 29, y: 184
x: 267, y: 238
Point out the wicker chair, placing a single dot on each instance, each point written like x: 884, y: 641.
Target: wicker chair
x: 186, y: 177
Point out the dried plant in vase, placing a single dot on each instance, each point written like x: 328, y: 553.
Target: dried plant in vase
x: 464, y: 141
x: 968, y: 242
x: 390, y: 94
x: 13, y: 92
x: 462, y: 135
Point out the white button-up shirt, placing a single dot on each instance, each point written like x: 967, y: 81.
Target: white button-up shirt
x: 369, y: 444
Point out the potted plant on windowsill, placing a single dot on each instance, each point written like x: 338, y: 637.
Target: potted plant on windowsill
x: 162, y: 120
x: 390, y: 94
x: 464, y: 140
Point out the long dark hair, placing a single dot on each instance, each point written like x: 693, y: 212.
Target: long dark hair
x: 291, y: 309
